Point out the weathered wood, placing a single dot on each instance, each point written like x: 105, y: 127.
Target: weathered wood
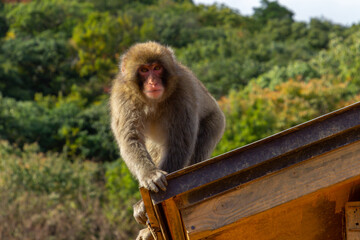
x: 317, y: 216
x: 292, y: 185
x: 278, y: 145
x: 162, y: 222
x: 273, y: 165
x: 352, y: 218
x: 174, y: 220
x: 153, y: 223
x: 273, y: 190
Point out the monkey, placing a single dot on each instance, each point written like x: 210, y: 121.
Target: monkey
x: 163, y: 118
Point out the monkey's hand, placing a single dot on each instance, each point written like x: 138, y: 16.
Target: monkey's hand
x: 144, y: 234
x: 139, y: 212
x: 153, y: 180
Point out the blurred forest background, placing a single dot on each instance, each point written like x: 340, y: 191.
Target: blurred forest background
x: 60, y: 172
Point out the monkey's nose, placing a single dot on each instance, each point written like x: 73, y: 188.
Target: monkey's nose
x: 152, y: 82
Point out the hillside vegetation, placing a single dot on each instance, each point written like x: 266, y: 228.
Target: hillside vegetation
x: 61, y: 176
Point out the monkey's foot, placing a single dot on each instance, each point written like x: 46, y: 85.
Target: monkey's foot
x: 145, y: 234
x: 139, y: 212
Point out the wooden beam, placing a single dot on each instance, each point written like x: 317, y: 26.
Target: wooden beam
x: 352, y: 219
x: 153, y: 222
x: 317, y: 216
x: 174, y: 220
x: 228, y: 183
x: 273, y: 190
x: 341, y: 122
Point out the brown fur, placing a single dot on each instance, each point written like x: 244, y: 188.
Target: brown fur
x: 179, y: 129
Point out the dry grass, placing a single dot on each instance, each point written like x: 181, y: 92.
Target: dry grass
x: 45, y: 197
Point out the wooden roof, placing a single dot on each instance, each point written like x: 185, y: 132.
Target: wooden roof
x: 308, y: 150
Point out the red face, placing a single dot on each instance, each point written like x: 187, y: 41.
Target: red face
x: 151, y: 75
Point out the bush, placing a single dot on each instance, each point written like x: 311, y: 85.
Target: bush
x: 45, y: 196
x: 61, y: 124
x: 122, y: 192
x: 255, y: 112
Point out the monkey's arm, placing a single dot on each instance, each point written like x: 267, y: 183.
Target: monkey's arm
x: 128, y: 130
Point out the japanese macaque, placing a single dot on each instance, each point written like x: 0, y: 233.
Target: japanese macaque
x: 162, y: 116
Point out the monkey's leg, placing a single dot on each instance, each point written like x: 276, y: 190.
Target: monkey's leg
x: 210, y: 132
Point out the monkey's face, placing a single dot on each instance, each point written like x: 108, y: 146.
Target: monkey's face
x: 151, y: 76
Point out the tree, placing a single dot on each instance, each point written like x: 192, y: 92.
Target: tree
x: 4, y: 27
x: 177, y: 30
x: 271, y: 10
x: 318, y: 33
x: 98, y: 42
x: 39, y: 64
x: 219, y: 15
x: 254, y: 112
x: 53, y: 15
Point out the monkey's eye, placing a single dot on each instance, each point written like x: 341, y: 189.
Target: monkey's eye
x: 144, y: 70
x: 157, y: 67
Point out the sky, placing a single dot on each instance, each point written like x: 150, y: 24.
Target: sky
x: 345, y: 12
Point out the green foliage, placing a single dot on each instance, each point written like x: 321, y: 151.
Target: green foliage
x: 44, y: 196
x: 177, y: 30
x: 4, y: 27
x: 255, y: 112
x: 215, y: 15
x: 298, y: 70
x: 46, y: 174
x: 278, y: 29
x: 53, y: 15
x: 318, y: 33
x: 119, y: 177
x: 217, y: 64
x: 122, y: 192
x: 60, y: 124
x: 39, y: 64
x: 341, y: 59
x: 271, y: 10
x: 58, y: 57
x: 97, y: 42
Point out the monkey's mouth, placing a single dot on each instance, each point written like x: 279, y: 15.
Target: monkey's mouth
x: 154, y: 93
x: 154, y: 90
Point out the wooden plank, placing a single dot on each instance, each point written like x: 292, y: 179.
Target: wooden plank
x: 273, y: 190
x: 228, y: 183
x: 317, y: 216
x: 152, y: 223
x: 352, y: 218
x: 257, y: 153
x: 174, y: 220
x: 160, y: 217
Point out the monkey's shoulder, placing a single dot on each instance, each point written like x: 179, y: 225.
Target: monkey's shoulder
x: 124, y: 91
